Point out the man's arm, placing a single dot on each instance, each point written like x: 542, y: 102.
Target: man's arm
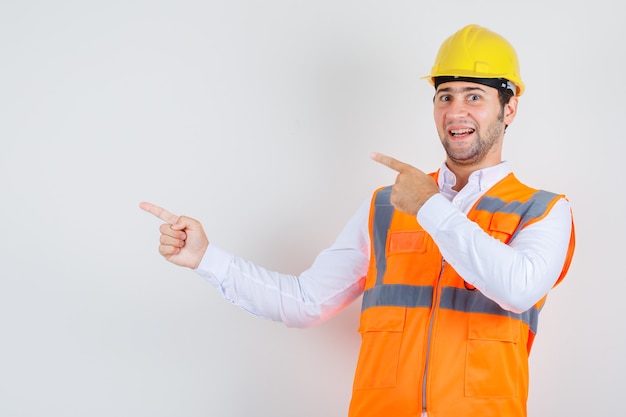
x: 516, y: 275
x: 335, y: 279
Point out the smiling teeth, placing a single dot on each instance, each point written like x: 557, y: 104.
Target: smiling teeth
x: 461, y: 131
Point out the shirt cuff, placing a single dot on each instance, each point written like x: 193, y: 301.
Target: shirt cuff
x: 434, y: 212
x: 214, y: 264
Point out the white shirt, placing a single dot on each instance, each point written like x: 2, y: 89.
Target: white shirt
x: 515, y: 276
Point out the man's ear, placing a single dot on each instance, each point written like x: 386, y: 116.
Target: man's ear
x: 510, y: 110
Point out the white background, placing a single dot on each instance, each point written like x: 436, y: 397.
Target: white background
x: 258, y: 118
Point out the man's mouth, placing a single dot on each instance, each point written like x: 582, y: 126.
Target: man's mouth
x: 460, y: 133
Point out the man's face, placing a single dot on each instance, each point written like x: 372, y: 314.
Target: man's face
x: 470, y: 122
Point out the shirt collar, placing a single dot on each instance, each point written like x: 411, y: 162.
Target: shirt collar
x: 479, y: 180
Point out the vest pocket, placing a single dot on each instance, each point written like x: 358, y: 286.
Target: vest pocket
x: 493, y: 363
x: 381, y: 333
x: 503, y: 225
x: 413, y: 241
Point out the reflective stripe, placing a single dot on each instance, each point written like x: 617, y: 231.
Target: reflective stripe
x: 382, y: 221
x: 535, y: 207
x: 398, y: 295
x: 455, y: 299
x: 460, y: 299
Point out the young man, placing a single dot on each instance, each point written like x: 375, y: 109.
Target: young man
x: 454, y: 266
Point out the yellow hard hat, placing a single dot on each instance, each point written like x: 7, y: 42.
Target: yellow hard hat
x: 477, y: 52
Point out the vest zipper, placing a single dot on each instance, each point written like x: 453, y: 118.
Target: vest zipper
x: 430, y: 334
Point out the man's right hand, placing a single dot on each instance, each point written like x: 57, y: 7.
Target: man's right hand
x: 183, y: 241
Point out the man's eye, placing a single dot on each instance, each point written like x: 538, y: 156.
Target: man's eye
x: 445, y: 98
x: 474, y: 97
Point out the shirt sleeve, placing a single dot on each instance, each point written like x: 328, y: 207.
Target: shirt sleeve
x: 334, y: 280
x: 514, y: 275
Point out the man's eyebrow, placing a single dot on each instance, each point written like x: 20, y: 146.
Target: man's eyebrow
x: 460, y: 90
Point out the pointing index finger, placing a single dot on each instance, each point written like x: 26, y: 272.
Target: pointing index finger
x: 159, y: 212
x: 389, y: 162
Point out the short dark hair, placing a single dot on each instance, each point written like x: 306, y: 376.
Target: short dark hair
x: 504, y: 96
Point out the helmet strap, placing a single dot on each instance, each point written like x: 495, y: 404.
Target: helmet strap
x: 497, y: 83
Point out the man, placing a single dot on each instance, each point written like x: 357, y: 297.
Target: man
x: 453, y: 266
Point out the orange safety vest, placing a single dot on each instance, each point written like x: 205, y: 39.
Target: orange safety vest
x: 430, y: 341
